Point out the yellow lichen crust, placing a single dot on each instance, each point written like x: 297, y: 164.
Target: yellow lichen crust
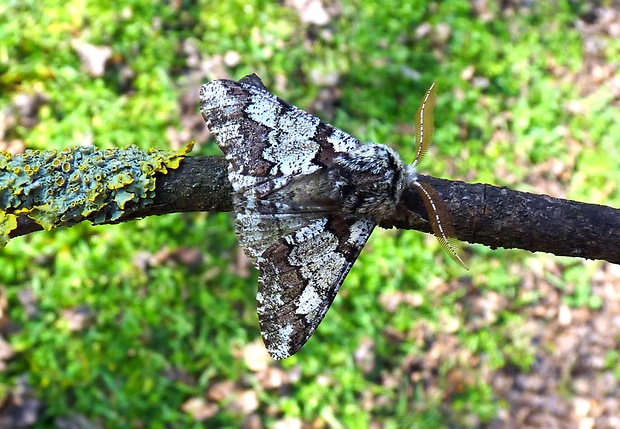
x: 8, y: 223
x: 62, y: 188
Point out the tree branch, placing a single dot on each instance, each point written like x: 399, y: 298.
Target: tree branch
x: 485, y: 214
x: 501, y: 217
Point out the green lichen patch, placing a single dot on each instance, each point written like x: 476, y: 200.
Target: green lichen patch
x: 8, y: 222
x: 62, y: 188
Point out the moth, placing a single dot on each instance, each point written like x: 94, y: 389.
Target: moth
x: 306, y: 197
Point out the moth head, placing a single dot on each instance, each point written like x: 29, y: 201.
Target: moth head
x: 368, y: 181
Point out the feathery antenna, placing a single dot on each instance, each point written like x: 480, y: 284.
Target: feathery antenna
x: 438, y: 214
x: 424, y: 125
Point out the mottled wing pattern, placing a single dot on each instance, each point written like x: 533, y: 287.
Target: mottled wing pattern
x: 265, y: 139
x: 269, y: 144
x: 277, y: 154
x: 257, y: 231
x: 300, y: 276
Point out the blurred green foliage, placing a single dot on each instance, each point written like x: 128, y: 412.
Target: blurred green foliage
x: 505, y: 81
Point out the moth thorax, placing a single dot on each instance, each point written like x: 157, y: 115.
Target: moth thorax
x: 368, y: 181
x: 411, y: 175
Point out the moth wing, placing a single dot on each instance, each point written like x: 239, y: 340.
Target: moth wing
x: 276, y: 153
x: 258, y: 231
x: 266, y: 140
x: 300, y: 275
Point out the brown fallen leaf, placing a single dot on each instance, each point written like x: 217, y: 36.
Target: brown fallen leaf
x: 199, y: 408
x: 220, y: 390
x: 93, y: 57
x: 244, y: 403
x: 78, y: 318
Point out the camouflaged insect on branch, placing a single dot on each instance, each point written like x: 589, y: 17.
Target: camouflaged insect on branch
x: 307, y: 197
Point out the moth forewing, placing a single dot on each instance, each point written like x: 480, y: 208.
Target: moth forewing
x: 424, y: 123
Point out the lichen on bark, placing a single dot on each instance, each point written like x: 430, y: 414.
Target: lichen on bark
x: 62, y: 188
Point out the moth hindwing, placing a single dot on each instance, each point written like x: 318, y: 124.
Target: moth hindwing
x: 307, y: 197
